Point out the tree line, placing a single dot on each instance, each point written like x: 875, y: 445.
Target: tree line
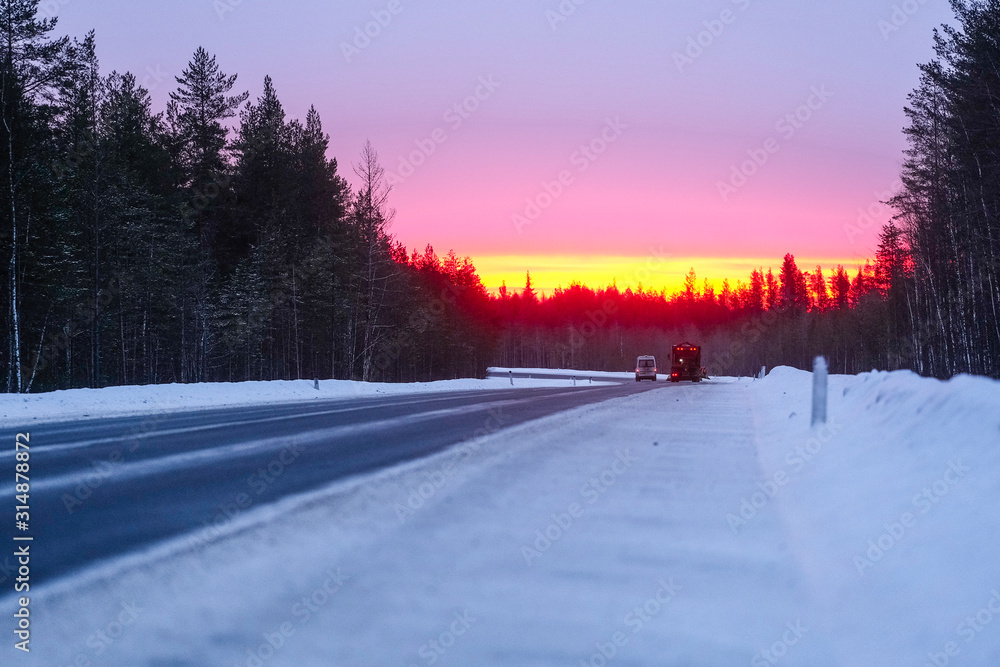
x: 770, y: 319
x: 941, y: 251
x: 213, y: 240
x: 929, y: 302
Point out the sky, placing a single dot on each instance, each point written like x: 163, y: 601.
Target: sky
x: 583, y: 140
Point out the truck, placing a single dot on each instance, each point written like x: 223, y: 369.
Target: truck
x: 685, y: 363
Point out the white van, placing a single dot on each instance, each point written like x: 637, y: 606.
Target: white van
x: 645, y: 368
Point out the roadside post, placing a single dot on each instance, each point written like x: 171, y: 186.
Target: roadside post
x: 819, y: 391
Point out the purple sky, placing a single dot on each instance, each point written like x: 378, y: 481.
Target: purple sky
x: 681, y: 127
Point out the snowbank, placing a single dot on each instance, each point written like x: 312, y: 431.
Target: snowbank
x: 146, y: 399
x: 892, y: 509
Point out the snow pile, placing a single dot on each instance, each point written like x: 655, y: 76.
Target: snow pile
x: 892, y: 510
x: 119, y: 401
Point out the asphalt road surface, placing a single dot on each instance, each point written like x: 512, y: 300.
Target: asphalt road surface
x: 101, y: 488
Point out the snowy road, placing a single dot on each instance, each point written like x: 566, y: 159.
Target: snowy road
x: 674, y: 525
x: 108, y: 487
x: 598, y: 530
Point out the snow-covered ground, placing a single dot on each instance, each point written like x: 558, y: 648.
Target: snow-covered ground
x: 695, y: 525
x: 894, y: 519
x: 145, y: 399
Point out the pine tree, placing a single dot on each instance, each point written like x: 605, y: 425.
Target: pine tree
x: 794, y: 293
x: 772, y: 290
x: 199, y: 108
x: 756, y: 296
x: 315, y: 224
x: 818, y: 290
x: 203, y: 104
x: 690, y: 293
x: 528, y: 294
x: 726, y: 296
x: 840, y: 286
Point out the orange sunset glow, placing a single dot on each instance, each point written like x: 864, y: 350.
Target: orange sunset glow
x: 649, y: 272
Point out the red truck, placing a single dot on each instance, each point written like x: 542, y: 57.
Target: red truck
x: 685, y: 363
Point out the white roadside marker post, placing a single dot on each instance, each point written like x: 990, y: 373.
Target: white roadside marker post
x: 819, y: 391
x: 511, y: 378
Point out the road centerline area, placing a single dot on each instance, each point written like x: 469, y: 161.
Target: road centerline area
x: 131, y: 486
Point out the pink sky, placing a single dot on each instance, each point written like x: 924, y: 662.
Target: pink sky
x: 553, y: 85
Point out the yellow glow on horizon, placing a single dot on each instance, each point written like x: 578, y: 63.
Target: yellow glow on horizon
x: 551, y: 271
